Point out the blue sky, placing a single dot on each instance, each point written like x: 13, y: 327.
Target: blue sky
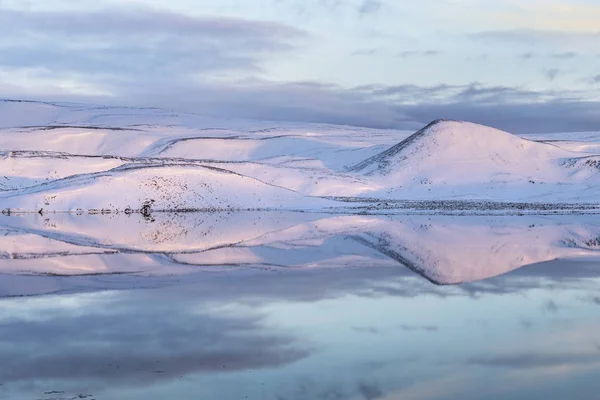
x: 525, y: 66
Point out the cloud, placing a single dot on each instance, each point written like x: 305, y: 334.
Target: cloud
x: 516, y: 110
x: 559, y: 15
x: 557, y: 56
x: 138, y: 23
x: 596, y: 79
x: 365, y: 52
x: 474, y: 92
x: 480, y: 57
x: 314, y: 8
x: 550, y: 306
x: 145, y: 57
x: 558, y: 115
x: 414, y: 53
x: 536, y: 37
x: 564, y: 56
x: 551, y: 73
x: 169, y: 60
x: 113, y: 46
x: 526, y: 56
x: 368, y: 7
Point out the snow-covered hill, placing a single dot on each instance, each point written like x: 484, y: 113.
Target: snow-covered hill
x: 75, y: 157
x: 165, y: 187
x: 456, y: 146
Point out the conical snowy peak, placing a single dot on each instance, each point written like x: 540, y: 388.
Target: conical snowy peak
x: 446, y: 142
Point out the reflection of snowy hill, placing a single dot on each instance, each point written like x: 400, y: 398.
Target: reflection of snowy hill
x: 445, y: 250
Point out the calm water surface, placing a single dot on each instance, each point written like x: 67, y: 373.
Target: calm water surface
x: 358, y: 325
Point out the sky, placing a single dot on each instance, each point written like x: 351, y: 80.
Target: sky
x: 526, y: 66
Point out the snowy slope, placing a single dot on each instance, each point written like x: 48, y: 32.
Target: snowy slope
x: 165, y: 187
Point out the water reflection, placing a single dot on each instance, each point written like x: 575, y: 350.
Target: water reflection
x: 357, y: 325
x: 442, y: 249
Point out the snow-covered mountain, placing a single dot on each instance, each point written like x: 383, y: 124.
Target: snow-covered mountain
x: 74, y: 157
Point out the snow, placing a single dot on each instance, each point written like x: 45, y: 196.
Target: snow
x: 115, y: 197
x: 75, y: 157
x: 165, y: 187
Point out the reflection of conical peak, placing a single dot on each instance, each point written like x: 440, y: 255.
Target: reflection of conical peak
x: 448, y: 250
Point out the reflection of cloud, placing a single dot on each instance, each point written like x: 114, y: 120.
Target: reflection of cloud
x: 546, y: 274
x: 307, y: 388
x: 366, y: 329
x: 535, y: 360
x: 457, y: 385
x: 148, y: 337
x: 370, y: 390
x: 594, y: 300
x: 426, y: 328
x: 192, y: 329
x: 526, y: 324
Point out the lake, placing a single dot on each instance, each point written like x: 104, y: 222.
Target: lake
x: 290, y: 306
